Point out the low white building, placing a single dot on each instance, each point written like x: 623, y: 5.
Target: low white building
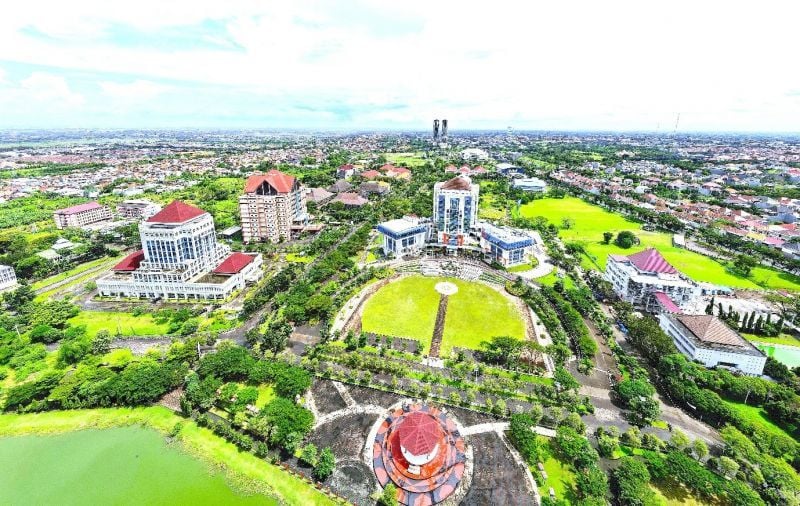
x: 636, y: 279
x: 137, y: 209
x: 505, y: 246
x: 404, y: 236
x: 708, y: 340
x: 474, y: 154
x: 180, y: 259
x: 530, y: 184
x: 8, y: 279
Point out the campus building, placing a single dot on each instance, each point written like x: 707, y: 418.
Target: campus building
x: 708, y: 340
x: 530, y: 184
x: 455, y: 210
x: 504, y: 246
x: 637, y: 278
x: 272, y: 206
x: 404, y: 236
x: 180, y: 259
x: 81, y: 215
x: 137, y: 209
x: 8, y: 279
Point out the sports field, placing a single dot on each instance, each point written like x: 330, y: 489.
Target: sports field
x: 590, y: 221
x: 787, y: 355
x: 407, y: 308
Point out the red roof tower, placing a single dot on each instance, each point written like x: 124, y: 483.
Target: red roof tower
x: 176, y: 212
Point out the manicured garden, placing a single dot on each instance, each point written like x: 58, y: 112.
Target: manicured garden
x: 407, y: 308
x: 589, y: 222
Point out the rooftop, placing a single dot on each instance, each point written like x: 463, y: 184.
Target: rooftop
x: 130, y: 262
x: 650, y: 260
x: 234, y: 263
x: 88, y: 206
x: 281, y: 182
x: 419, y: 433
x: 458, y: 183
x: 176, y: 212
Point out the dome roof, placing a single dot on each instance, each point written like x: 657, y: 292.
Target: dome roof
x: 419, y: 433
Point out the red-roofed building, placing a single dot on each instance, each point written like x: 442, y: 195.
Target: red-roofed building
x: 371, y: 174
x: 130, y: 262
x: 272, y: 204
x: 81, y: 215
x: 234, y: 263
x: 350, y: 199
x: 420, y: 435
x: 398, y: 173
x: 639, y: 277
x: 176, y: 212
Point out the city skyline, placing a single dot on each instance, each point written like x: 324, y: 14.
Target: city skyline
x: 362, y: 65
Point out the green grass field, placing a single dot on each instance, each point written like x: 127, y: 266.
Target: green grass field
x: 590, y: 221
x: 118, y: 323
x: 409, y: 159
x: 407, y: 308
x: 790, y: 357
x: 559, y: 475
x: 243, y: 470
x: 72, y: 272
x: 786, y: 339
x: 756, y: 416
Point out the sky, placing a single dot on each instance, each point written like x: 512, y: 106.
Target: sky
x: 370, y: 64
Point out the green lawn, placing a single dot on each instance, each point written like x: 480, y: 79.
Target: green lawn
x: 243, y: 469
x: 409, y: 159
x: 674, y: 494
x: 118, y: 323
x: 295, y: 258
x: 551, y: 279
x: 786, y: 339
x: 559, y: 475
x: 756, y: 416
x: 788, y: 356
x: 407, y: 308
x: 265, y: 394
x: 72, y: 272
x: 590, y: 221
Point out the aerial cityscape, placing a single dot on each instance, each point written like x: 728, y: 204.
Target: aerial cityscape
x: 226, y: 285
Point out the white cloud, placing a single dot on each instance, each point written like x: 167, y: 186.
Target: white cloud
x: 135, y: 91
x: 50, y: 89
x: 630, y: 64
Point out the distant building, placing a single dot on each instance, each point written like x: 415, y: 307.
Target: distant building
x: 455, y: 210
x: 80, y: 215
x: 346, y: 170
x: 181, y: 259
x: 530, y: 184
x: 340, y: 186
x: 504, y: 246
x: 318, y: 195
x: 708, y: 340
x: 636, y: 278
x: 137, y: 209
x: 272, y: 204
x: 350, y: 199
x: 404, y: 236
x: 474, y: 154
x: 8, y: 279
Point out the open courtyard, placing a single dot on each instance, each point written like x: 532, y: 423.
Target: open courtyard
x: 590, y: 221
x: 475, y: 312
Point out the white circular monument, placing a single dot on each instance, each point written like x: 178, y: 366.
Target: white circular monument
x: 446, y: 288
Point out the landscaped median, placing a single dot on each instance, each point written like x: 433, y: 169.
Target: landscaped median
x: 244, y: 470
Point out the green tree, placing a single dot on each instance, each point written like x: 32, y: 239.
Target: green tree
x: 607, y: 236
x: 277, y: 336
x: 679, y: 439
x: 101, y: 344
x: 744, y: 264
x: 630, y: 483
x: 389, y: 495
x: 325, y: 464
x: 626, y: 239
x: 308, y: 455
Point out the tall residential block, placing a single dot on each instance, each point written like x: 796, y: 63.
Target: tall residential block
x: 455, y: 210
x: 272, y: 206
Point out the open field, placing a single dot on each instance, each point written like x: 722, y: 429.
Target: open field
x: 246, y: 472
x: 756, y: 416
x: 784, y: 339
x: 409, y: 159
x: 671, y: 494
x: 590, y: 221
x: 789, y: 356
x: 119, y: 323
x: 407, y: 308
x: 559, y: 474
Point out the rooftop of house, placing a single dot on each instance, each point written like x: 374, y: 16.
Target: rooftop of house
x: 176, y: 212
x: 281, y: 182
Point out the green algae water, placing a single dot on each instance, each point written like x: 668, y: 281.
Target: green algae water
x: 128, y: 465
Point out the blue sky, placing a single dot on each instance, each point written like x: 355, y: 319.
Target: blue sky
x: 365, y: 64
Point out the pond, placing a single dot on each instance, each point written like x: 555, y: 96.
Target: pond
x: 128, y: 465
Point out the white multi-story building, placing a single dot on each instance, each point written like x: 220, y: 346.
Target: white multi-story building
x: 137, y: 209
x: 708, y: 340
x: 180, y: 259
x: 455, y: 210
x: 272, y: 205
x: 405, y: 236
x: 637, y: 278
x: 505, y: 246
x: 8, y: 279
x: 81, y: 215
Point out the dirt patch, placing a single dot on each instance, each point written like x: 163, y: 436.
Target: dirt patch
x: 496, y: 478
x: 326, y: 397
x: 364, y: 395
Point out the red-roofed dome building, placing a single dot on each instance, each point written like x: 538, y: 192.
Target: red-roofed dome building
x: 646, y: 279
x: 419, y: 449
x: 180, y: 259
x: 272, y: 207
